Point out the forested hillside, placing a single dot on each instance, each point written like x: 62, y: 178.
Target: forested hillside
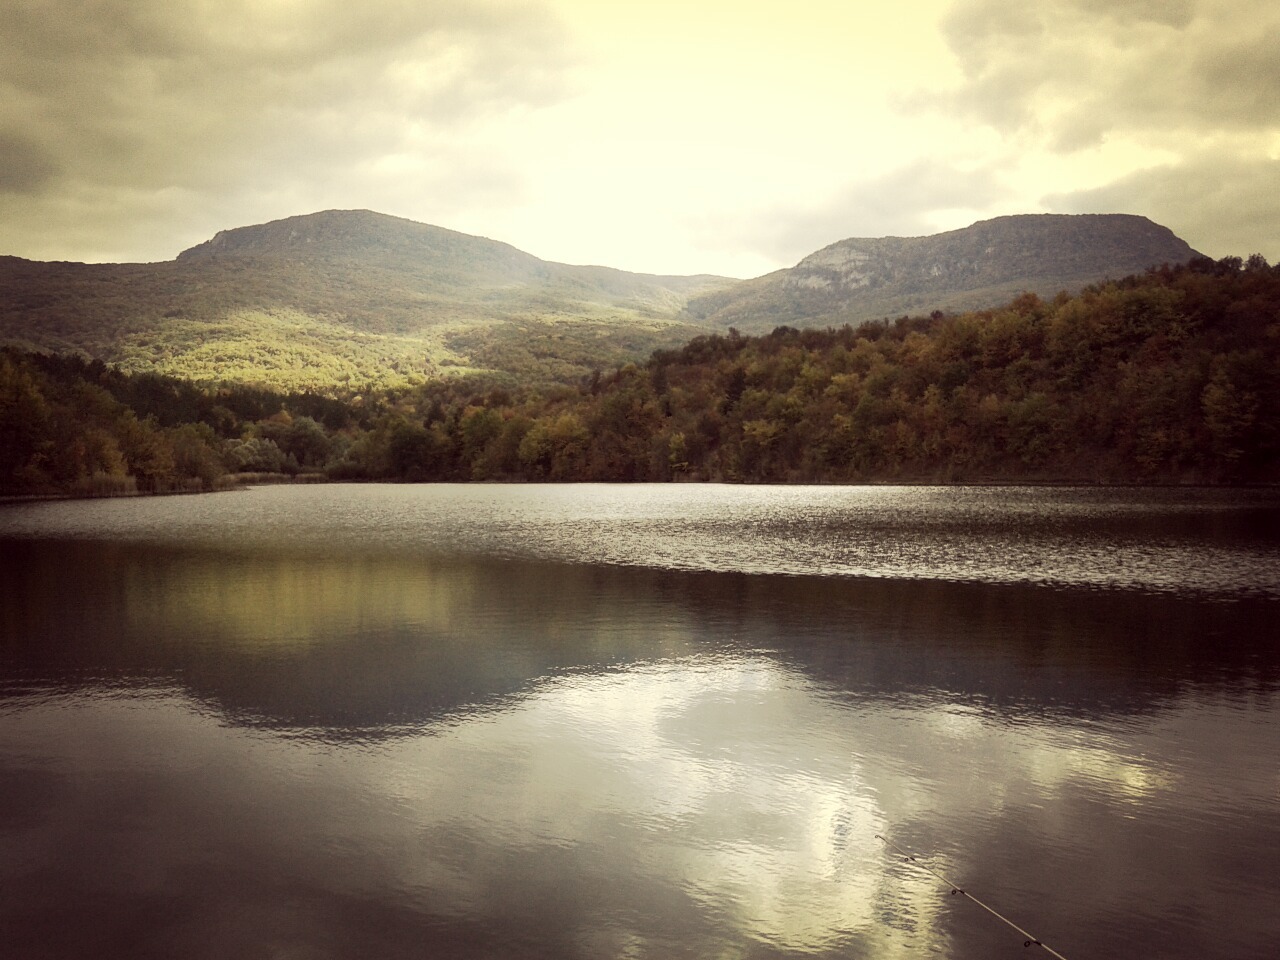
x: 1169, y: 376
x: 342, y: 299
x: 352, y: 300
x: 79, y: 427
x: 980, y: 266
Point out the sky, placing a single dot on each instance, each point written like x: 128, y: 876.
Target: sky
x: 706, y: 136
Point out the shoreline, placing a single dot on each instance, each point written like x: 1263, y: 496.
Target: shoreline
x: 243, y: 482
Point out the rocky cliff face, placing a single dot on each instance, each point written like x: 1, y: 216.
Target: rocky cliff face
x: 982, y: 265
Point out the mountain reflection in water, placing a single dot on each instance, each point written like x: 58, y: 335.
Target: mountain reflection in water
x: 327, y: 744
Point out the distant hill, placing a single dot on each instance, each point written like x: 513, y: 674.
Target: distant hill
x: 441, y: 261
x: 351, y: 299
x: 1170, y: 376
x: 345, y: 298
x: 982, y: 265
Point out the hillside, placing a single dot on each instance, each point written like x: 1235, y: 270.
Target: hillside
x: 466, y: 268
x: 1172, y: 376
x: 351, y: 300
x: 344, y: 299
x: 980, y: 266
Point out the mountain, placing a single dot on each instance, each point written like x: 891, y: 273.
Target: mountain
x: 982, y: 265
x: 439, y: 260
x: 352, y: 299
x: 345, y: 298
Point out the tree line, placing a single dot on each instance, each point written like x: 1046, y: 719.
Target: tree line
x: 1168, y: 376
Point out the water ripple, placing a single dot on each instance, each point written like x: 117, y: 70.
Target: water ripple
x: 1197, y: 541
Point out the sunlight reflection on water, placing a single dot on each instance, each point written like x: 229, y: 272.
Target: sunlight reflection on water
x: 1165, y: 540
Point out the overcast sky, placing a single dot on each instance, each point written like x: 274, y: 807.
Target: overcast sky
x: 718, y: 136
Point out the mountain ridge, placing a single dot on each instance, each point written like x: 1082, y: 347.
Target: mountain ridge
x: 351, y: 234
x: 859, y: 279
x: 353, y: 298
x: 343, y: 299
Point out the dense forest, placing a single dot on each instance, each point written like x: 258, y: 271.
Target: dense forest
x: 1168, y: 376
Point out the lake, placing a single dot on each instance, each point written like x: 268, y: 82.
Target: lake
x: 590, y: 721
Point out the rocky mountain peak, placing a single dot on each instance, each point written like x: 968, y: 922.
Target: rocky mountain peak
x: 981, y: 265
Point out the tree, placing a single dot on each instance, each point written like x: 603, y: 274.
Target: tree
x: 1229, y: 415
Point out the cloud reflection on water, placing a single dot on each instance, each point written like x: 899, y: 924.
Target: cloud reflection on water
x: 713, y: 791
x: 717, y: 805
x: 348, y: 748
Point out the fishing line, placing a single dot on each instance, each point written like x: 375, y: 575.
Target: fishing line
x: 1030, y: 939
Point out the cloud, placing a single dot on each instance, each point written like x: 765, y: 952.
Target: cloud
x: 1072, y: 72
x: 153, y: 105
x: 25, y: 167
x: 1221, y: 206
x: 904, y: 202
x: 1187, y: 90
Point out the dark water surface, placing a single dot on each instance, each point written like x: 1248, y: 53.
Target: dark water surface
x: 640, y: 721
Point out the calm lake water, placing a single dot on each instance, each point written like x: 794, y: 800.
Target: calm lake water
x: 641, y: 721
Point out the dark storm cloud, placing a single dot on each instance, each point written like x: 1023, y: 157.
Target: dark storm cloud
x: 115, y: 106
x: 895, y: 204
x: 1223, y: 207
x: 1075, y: 71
